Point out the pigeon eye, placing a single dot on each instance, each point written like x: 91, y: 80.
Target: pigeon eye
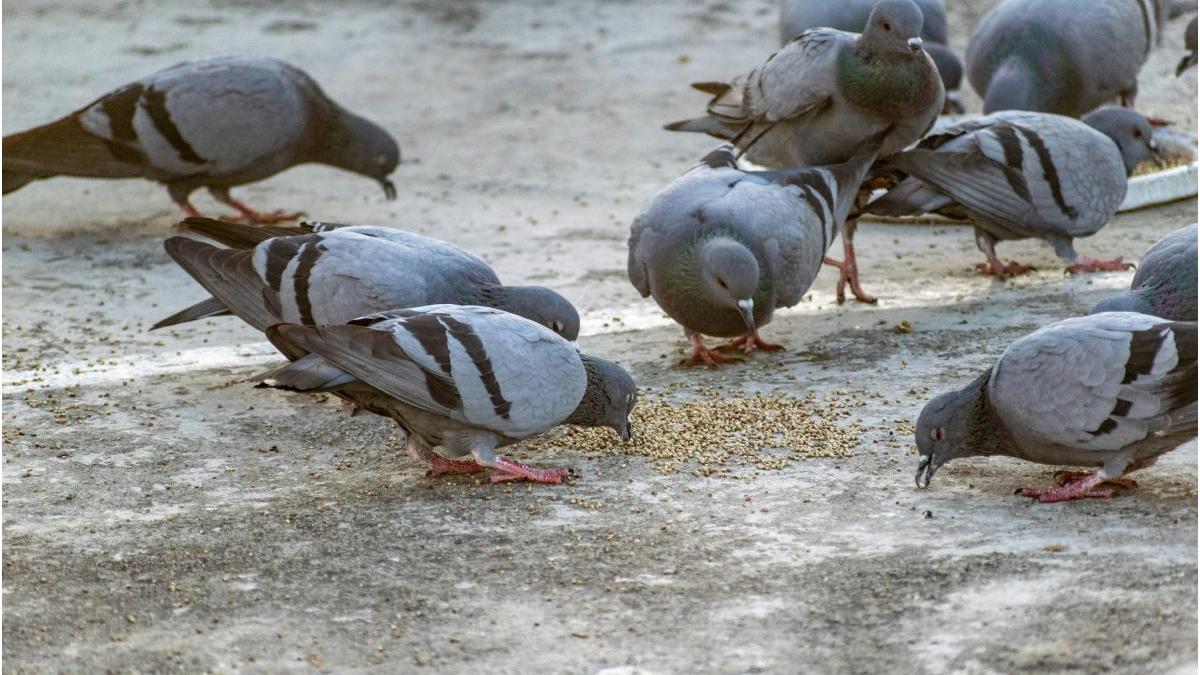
x: 886, y: 25
x: 937, y: 434
x: 721, y: 283
x: 1137, y: 133
x: 556, y: 326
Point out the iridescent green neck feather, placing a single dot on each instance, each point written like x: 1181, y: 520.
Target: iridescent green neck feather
x: 890, y: 85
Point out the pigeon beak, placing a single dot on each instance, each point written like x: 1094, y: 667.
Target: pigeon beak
x: 627, y: 430
x: 746, y: 307
x: 927, y: 467
x: 915, y: 44
x: 389, y: 189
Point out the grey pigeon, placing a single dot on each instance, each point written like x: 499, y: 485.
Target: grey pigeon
x: 1019, y: 174
x: 214, y: 123
x: 797, y: 16
x: 1189, y: 42
x: 721, y: 248
x: 818, y: 99
x: 465, y: 379
x: 1112, y: 390
x: 1062, y: 56
x: 336, y: 273
x: 1165, y: 283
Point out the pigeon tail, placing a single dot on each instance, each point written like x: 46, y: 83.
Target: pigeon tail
x: 310, y: 373
x: 702, y: 125
x: 15, y: 180
x: 65, y: 148
x: 201, y: 310
x: 241, y: 236
x: 849, y: 175
x: 229, y: 275
x: 1184, y: 63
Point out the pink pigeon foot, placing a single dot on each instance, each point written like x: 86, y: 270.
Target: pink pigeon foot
x: 439, y: 465
x: 702, y: 355
x: 1001, y: 269
x: 1083, y: 488
x: 249, y: 215
x: 750, y: 342
x: 508, y: 470
x: 848, y: 266
x: 1086, y: 264
x: 849, y: 275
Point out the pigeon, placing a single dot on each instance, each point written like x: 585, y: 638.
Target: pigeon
x: 1189, y: 41
x: 1022, y: 174
x: 1062, y: 56
x: 1165, y: 283
x: 1112, y: 390
x: 814, y: 101
x: 819, y: 98
x: 214, y: 123
x: 797, y: 16
x: 463, y: 378
x: 721, y: 248
x: 322, y: 273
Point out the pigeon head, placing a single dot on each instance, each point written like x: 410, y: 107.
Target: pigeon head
x: 540, y: 305
x: 951, y: 426
x: 894, y: 26
x: 609, y: 398
x: 1129, y: 301
x: 1130, y: 130
x: 951, y: 71
x: 729, y: 275
x: 359, y: 145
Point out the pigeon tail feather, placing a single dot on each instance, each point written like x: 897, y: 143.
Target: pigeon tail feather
x: 239, y: 235
x: 311, y: 373
x: 65, y: 148
x: 702, y: 125
x: 201, y: 310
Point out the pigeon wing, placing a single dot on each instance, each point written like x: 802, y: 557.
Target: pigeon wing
x: 477, y: 366
x: 1100, y: 382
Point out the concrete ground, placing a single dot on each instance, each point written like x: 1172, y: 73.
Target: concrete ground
x: 161, y: 516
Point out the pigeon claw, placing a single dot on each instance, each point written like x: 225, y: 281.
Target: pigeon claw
x: 750, y: 342
x: 703, y: 356
x: 1060, y: 494
x: 848, y: 274
x: 508, y: 470
x: 452, y: 467
x: 1078, y: 486
x: 1086, y: 265
x: 264, y: 217
x: 1005, y: 269
x: 439, y: 465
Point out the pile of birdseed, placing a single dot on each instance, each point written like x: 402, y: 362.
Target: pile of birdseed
x: 717, y: 434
